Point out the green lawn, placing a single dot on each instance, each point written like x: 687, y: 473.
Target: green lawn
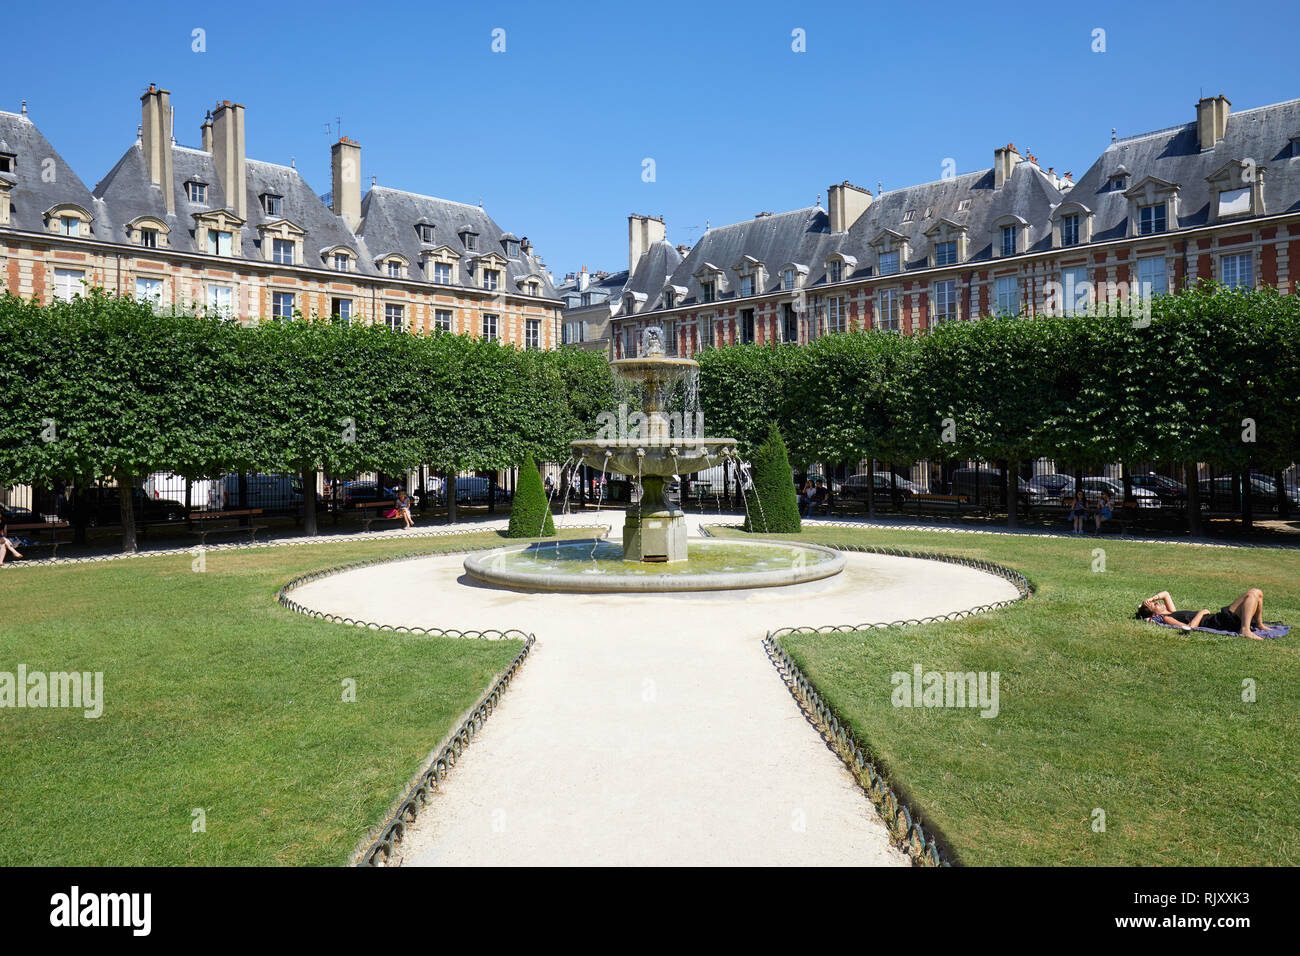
x: 1097, y: 710
x: 215, y: 697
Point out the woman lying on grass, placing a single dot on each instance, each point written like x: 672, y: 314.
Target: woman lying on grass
x: 1243, y: 615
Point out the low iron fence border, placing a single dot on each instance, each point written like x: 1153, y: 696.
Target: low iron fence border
x: 903, y: 822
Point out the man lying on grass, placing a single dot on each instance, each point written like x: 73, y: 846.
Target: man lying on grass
x: 1243, y: 615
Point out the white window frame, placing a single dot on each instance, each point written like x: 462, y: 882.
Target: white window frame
x: 532, y: 333
x: 1076, y: 291
x: 279, y: 248
x: 889, y: 310
x: 442, y: 319
x: 1004, y: 287
x: 1156, y: 269
x: 946, y: 302
x: 1232, y: 277
x: 67, y: 283
x: 278, y: 301
x: 395, y: 316
x: 491, y: 327
x: 212, y: 297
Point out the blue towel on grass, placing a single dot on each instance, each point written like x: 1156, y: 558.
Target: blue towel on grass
x: 1269, y: 631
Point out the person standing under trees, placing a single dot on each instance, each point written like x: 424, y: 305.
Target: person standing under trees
x: 1103, y: 511
x: 1078, y: 511
x: 806, y: 495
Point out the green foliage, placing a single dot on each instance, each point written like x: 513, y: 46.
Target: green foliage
x: 530, y: 516
x: 771, y: 508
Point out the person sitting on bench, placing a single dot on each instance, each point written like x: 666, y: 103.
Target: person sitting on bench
x: 6, y: 546
x: 1243, y: 615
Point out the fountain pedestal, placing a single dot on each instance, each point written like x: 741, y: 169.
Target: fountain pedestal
x: 654, y: 529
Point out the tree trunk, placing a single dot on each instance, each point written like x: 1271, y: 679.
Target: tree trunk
x: 1283, y: 501
x: 1193, y: 499
x: 309, y: 502
x: 871, y: 491
x: 449, y: 491
x: 1247, y: 502
x: 1011, y: 490
x: 79, y: 513
x: 492, y: 492
x: 126, y: 508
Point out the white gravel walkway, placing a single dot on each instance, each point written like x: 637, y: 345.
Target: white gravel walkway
x: 649, y: 730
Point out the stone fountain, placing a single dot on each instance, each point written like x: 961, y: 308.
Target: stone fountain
x: 662, y: 445
x: 653, y: 445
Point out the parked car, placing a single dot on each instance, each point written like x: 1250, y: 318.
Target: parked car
x: 104, y: 507
x: 1094, y: 485
x: 267, y: 492
x: 15, y: 515
x: 1172, y: 494
x: 1050, y: 488
x: 472, y: 490
x: 1269, y: 484
x: 881, y: 483
x: 1263, y: 494
x: 987, y: 488
x: 361, y: 492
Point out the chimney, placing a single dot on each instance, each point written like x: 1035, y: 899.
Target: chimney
x: 584, y: 280
x: 345, y: 172
x: 1004, y: 161
x: 205, y: 134
x: 156, y: 141
x: 228, y: 155
x: 846, y: 203
x: 642, y: 233
x: 1212, y: 119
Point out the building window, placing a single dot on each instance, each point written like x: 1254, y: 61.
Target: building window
x: 198, y: 192
x: 1069, y: 230
x: 789, y: 323
x: 746, y: 326
x: 586, y: 298
x: 1237, y: 271
x: 149, y: 290
x: 533, y: 333
x: 1008, y: 294
x: 394, y: 268
x: 491, y: 279
x: 442, y: 320
x: 512, y: 248
x: 71, y: 225
x: 219, y: 242
x: 149, y: 238
x: 888, y: 263
x: 470, y: 240
x: 395, y: 317
x: 340, y: 261
x: 888, y: 318
x: 835, y: 272
x: 220, y: 300
x: 746, y: 286
x: 341, y: 309
x: 945, y: 301
x: 835, y: 314
x: 1153, y: 278
x: 8, y: 162
x: 442, y: 272
x: 572, y: 332
x: 67, y: 283
x: 490, y: 327
x: 282, y: 252
x: 426, y: 232
x: 1151, y: 219
x: 1009, y: 240
x: 945, y: 253
x: 1076, y: 294
x: 787, y: 280
x: 282, y: 305
x: 629, y: 342
x: 273, y: 205
x: 1234, y: 202
x: 706, y: 291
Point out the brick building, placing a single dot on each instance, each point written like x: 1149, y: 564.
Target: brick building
x: 210, y: 228
x: 1217, y: 197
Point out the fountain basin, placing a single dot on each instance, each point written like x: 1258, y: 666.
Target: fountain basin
x: 620, y: 455
x: 598, y: 566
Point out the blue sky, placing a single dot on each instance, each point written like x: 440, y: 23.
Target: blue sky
x: 551, y: 134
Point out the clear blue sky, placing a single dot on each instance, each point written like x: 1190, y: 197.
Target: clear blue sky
x: 551, y: 134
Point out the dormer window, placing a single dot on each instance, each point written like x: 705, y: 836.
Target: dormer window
x: 272, y: 204
x: 395, y: 269
x: 341, y: 262
x: 197, y: 192
x: 746, y: 286
x: 219, y: 242
x: 888, y: 262
x: 8, y: 162
x: 491, y: 279
x: 70, y: 225
x: 469, y: 238
x: 282, y: 252
x: 425, y: 230
x: 149, y: 238
x: 1237, y: 189
x: 670, y: 299
x: 442, y: 272
x: 835, y: 271
x: 1151, y: 219
x: 787, y: 280
x: 1070, y: 230
x: 1009, y: 240
x: 1234, y: 202
x: 945, y: 253
x: 512, y: 248
x: 1118, y: 179
x: 706, y: 291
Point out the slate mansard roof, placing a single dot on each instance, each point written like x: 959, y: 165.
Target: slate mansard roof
x: 41, y: 179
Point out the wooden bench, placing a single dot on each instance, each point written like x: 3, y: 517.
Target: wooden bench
x: 53, y: 527
x: 929, y: 502
x: 218, y: 522
x: 372, y: 511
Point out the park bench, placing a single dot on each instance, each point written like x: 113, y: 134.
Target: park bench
x: 237, y: 521
x: 372, y: 511
x: 925, y: 501
x: 53, y: 527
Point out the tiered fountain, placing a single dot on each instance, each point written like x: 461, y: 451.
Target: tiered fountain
x: 653, y: 446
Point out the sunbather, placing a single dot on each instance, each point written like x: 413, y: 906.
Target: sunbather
x: 1244, y: 615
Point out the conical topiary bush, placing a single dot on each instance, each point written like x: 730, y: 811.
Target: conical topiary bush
x: 771, y: 506
x: 530, y: 514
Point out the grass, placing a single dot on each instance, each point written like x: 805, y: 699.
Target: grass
x: 1098, y: 711
x: 217, y: 698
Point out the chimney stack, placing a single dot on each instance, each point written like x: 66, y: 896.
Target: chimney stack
x: 156, y: 141
x: 1005, y: 159
x: 228, y: 155
x: 1212, y: 119
x: 642, y: 233
x: 345, y: 170
x: 846, y: 204
x: 205, y: 133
